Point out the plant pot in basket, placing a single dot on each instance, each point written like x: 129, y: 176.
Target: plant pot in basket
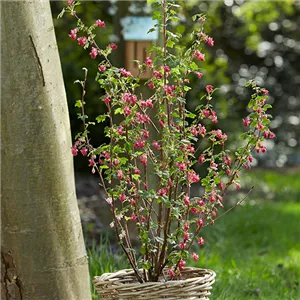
x: 194, y: 283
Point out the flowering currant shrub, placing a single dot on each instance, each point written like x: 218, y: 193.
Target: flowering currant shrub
x: 159, y: 137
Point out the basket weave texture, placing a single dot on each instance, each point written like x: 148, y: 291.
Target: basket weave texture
x: 194, y: 284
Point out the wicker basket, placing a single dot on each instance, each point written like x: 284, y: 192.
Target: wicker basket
x: 194, y: 284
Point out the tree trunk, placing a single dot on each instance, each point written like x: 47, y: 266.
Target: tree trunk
x: 43, y: 254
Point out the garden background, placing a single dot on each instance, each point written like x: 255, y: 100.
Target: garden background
x: 255, y: 250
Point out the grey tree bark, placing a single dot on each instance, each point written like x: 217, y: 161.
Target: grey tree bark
x: 42, y: 253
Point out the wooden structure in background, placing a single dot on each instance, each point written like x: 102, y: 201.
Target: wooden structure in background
x: 137, y: 40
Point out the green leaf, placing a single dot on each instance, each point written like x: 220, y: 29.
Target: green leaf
x: 170, y: 43
x: 191, y: 115
x: 186, y: 88
x: 194, y: 66
x: 78, y: 103
x: 101, y: 118
x: 119, y: 110
x: 265, y: 121
x: 267, y: 106
x: 61, y: 13
x: 136, y: 177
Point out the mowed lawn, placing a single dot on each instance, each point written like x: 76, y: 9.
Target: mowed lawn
x: 254, y: 249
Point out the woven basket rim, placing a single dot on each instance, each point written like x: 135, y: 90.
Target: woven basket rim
x: 209, y: 275
x: 195, y: 283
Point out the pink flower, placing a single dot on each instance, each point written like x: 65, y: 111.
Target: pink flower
x: 122, y: 197
x: 149, y: 103
x: 266, y: 92
x: 143, y: 159
x: 70, y: 2
x: 166, y: 70
x: 143, y: 219
x: 206, y: 113
x: 94, y: 53
x: 171, y: 273
x: 181, y: 245
x: 193, y: 131
x: 125, y: 73
x: 194, y: 210
x: 198, y: 55
x: 209, y: 88
x: 102, y: 68
x: 195, y: 256
x: 137, y: 171
x: 133, y: 217
x: 237, y: 186
x: 120, y: 130
x: 112, y: 46
x: 227, y: 160
x: 127, y: 111
x: 200, y: 222
x: 148, y: 62
x: 260, y: 126
x: 186, y: 226
x: 144, y: 104
x: 145, y: 134
x: 161, y: 123
x: 246, y: 121
x: 74, y: 151
x: 139, y: 144
x: 202, y: 129
x: 181, y: 264
x: 73, y: 34
x: 116, y: 162
x: 92, y: 162
x: 201, y: 159
x: 200, y: 241
x: 186, y: 200
x: 272, y: 135
x: 158, y: 75
x: 155, y: 145
x: 151, y: 85
x: 129, y: 98
x: 84, y: 151
x: 214, y: 117
x: 100, y: 23
x: 142, y: 118
x: 106, y: 100
x: 162, y: 192
x: 120, y: 174
x: 201, y: 203
x: 169, y: 90
x: 82, y: 40
x: 199, y: 75
x: 186, y: 236
x: 109, y: 200
x: 209, y: 40
x: 181, y: 166
x: 221, y: 185
x: 193, y: 177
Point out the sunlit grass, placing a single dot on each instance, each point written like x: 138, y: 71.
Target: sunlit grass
x: 255, y: 249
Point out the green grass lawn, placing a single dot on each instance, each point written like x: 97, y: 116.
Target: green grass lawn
x: 255, y: 249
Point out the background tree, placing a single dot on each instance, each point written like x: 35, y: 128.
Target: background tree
x: 43, y: 254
